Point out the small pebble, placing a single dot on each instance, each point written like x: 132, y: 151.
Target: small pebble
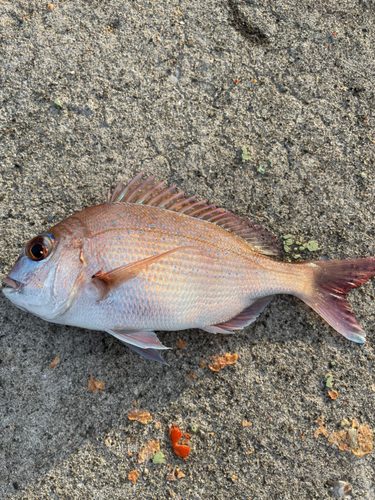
x: 173, y: 79
x: 341, y: 489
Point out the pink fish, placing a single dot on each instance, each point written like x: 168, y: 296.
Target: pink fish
x: 151, y: 259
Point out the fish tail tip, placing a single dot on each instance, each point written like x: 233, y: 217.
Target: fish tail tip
x: 333, y: 280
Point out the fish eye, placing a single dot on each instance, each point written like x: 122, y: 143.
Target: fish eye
x: 39, y: 247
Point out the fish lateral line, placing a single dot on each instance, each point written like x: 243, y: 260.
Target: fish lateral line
x: 197, y: 240
x: 155, y: 231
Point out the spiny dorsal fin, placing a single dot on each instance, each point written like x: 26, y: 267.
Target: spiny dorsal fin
x: 150, y: 193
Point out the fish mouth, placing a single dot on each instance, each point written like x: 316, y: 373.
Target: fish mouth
x: 12, y: 285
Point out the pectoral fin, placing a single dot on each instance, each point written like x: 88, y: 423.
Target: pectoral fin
x: 105, y: 282
x: 144, y: 342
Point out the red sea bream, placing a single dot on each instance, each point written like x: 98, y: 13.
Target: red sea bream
x: 150, y: 259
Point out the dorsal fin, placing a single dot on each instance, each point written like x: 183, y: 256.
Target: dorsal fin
x: 150, y: 193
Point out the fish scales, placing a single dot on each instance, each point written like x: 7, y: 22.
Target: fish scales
x: 150, y: 259
x: 204, y: 285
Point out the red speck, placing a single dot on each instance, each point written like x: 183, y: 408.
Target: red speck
x: 335, y: 33
x: 182, y: 451
x: 176, y: 434
x: 236, y: 81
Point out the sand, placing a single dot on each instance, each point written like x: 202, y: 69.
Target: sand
x: 92, y: 92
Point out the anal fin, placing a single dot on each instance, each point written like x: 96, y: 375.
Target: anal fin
x: 243, y: 319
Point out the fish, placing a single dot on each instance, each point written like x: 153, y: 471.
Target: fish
x: 152, y: 259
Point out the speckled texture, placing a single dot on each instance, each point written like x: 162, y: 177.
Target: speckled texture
x: 153, y: 85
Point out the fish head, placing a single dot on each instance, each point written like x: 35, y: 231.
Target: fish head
x: 46, y: 276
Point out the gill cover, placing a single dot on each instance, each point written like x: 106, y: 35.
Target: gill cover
x: 46, y: 276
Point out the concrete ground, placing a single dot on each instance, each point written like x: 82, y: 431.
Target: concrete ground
x: 94, y: 91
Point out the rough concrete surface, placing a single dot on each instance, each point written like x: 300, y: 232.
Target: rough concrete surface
x: 94, y: 91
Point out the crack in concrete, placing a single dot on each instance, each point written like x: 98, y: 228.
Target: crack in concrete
x: 244, y: 27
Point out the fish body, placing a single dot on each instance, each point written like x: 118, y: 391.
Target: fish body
x: 212, y: 277
x: 150, y: 260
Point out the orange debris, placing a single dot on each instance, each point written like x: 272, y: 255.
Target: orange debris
x: 141, y: 416
x: 95, y: 385
x: 148, y: 451
x: 246, y: 424
x: 55, y: 362
x: 175, y: 474
x: 321, y: 429
x: 220, y: 362
x: 133, y: 476
x: 333, y: 394
x: 355, y: 438
x: 181, y: 343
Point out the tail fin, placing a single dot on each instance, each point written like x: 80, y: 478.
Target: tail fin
x: 332, y: 280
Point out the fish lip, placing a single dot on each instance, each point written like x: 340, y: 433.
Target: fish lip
x: 12, y: 285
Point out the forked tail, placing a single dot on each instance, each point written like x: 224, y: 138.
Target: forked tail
x: 331, y: 281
